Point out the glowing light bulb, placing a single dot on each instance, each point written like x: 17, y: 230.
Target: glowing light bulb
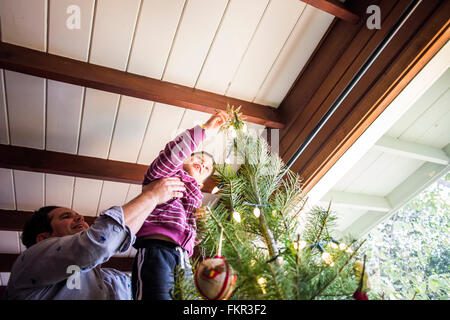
x: 326, y: 257
x: 332, y: 264
x: 301, y: 244
x: 262, y: 284
x: 237, y: 216
x: 333, y: 245
x: 342, y: 246
x: 233, y: 132
x: 228, y: 161
x: 274, y: 212
x: 349, y: 250
x: 257, y: 212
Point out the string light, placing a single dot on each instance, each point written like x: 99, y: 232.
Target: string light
x: 233, y: 132
x: 326, y: 257
x: 349, y: 250
x: 262, y: 284
x: 237, y: 216
x: 256, y: 212
x: 343, y: 246
x: 228, y: 161
x: 333, y: 245
x: 299, y: 244
x: 274, y: 212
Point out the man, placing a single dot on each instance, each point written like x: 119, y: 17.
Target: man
x: 64, y: 254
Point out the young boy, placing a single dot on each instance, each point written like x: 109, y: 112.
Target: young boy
x: 167, y: 237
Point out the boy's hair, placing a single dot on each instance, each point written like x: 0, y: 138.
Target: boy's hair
x: 212, y: 158
x: 38, y: 223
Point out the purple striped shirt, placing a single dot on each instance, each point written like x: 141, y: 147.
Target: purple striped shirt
x: 176, y: 218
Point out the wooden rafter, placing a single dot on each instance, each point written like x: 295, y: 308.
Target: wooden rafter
x: 335, y: 8
x: 27, y: 159
x: 342, y: 52
x: 123, y: 264
x: 84, y: 74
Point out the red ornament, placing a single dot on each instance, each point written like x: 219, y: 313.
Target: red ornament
x: 215, y: 279
x: 358, y: 295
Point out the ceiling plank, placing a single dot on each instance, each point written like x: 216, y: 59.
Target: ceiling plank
x: 123, y: 264
x: 80, y: 73
x: 357, y: 201
x: 34, y: 160
x: 411, y: 150
x: 335, y: 8
x: 421, y: 179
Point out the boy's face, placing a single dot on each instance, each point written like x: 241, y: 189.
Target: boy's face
x: 199, y: 166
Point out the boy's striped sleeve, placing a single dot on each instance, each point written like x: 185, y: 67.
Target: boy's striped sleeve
x: 176, y: 151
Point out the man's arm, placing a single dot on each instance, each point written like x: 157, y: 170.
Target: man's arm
x: 137, y: 210
x: 47, y: 262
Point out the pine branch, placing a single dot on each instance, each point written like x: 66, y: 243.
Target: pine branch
x: 339, y: 272
x: 323, y: 225
x: 270, y: 241
x: 276, y: 282
x: 226, y: 234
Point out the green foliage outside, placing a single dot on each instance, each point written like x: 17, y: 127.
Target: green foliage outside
x: 409, y: 253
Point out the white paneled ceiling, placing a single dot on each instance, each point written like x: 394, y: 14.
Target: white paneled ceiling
x: 249, y: 49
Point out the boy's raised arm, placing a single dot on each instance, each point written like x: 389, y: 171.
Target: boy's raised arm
x: 176, y: 151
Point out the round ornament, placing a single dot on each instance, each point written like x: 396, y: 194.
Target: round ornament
x: 215, y: 279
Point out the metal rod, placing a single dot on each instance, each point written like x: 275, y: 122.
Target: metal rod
x: 367, y: 64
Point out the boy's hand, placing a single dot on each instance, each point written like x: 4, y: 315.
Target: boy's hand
x: 216, y: 120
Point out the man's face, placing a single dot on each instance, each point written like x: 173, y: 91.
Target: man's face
x: 199, y: 166
x: 66, y: 222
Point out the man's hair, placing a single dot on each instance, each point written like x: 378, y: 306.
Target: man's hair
x: 38, y: 223
x: 212, y: 158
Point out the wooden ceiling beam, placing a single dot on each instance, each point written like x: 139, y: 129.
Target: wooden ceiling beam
x: 50, y: 66
x: 336, y: 61
x: 35, y: 160
x: 123, y: 264
x: 334, y: 8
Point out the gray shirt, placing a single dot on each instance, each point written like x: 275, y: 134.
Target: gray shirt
x: 68, y: 267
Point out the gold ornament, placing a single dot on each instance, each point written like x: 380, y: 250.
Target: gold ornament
x: 358, y: 267
x: 262, y: 283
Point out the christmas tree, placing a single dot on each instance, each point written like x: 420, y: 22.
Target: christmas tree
x: 276, y: 250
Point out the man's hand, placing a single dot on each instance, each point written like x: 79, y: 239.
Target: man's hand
x: 164, y: 189
x: 137, y: 210
x: 216, y: 120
